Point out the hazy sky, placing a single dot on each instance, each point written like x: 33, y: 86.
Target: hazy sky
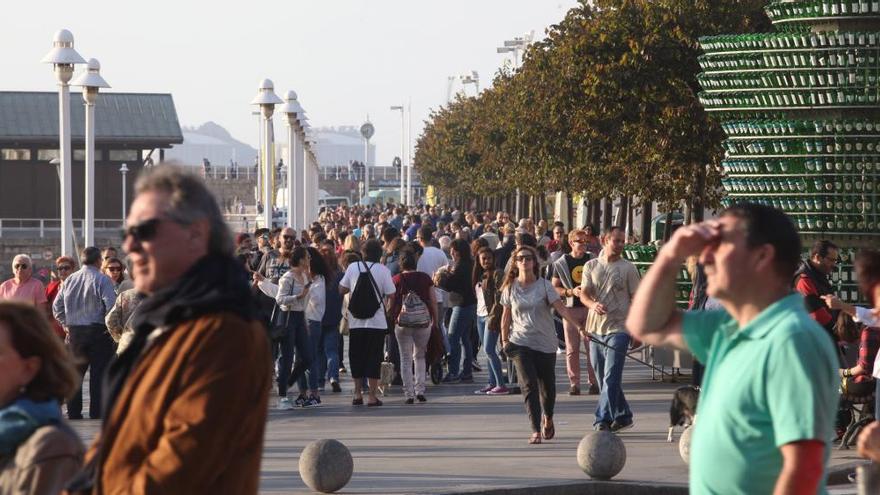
x: 344, y: 58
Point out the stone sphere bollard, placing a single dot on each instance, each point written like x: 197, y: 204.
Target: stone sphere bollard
x: 601, y: 455
x: 684, y: 444
x: 325, y: 465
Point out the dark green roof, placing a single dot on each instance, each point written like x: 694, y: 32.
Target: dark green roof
x: 136, y: 119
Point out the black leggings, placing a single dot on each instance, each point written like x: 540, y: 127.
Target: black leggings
x: 537, y: 372
x: 365, y: 350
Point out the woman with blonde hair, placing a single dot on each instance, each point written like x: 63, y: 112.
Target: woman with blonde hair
x: 528, y: 336
x: 39, y: 453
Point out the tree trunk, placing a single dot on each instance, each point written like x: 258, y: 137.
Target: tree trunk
x: 597, y: 214
x: 699, y: 194
x: 607, y: 205
x: 647, y: 213
x: 569, y: 219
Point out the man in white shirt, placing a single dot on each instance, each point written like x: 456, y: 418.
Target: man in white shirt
x: 431, y: 260
x: 366, y: 342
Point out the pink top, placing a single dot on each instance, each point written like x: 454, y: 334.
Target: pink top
x: 31, y: 291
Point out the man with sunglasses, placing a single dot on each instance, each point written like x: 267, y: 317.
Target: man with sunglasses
x: 81, y: 305
x: 187, y: 400
x: 64, y: 267
x: 23, y: 286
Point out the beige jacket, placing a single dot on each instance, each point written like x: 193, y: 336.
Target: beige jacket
x: 43, y: 464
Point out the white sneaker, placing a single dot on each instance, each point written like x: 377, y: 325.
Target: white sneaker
x: 284, y: 404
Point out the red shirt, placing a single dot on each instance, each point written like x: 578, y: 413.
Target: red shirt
x: 51, y: 292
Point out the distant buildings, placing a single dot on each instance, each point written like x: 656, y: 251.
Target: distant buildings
x: 213, y: 142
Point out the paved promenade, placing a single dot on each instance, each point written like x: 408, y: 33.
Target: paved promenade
x: 459, y: 441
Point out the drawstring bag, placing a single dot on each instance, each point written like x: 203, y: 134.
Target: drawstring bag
x: 413, y: 312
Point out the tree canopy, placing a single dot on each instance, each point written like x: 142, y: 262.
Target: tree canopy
x: 606, y: 105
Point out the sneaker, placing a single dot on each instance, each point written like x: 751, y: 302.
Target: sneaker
x: 409, y: 400
x: 484, y: 390
x: 467, y: 379
x: 284, y: 404
x: 312, y: 401
x: 602, y: 427
x: 560, y: 351
x: 300, y: 401
x: 499, y: 390
x: 574, y: 390
x: 594, y: 389
x: 421, y: 398
x: 615, y: 426
x: 342, y: 370
x: 451, y: 379
x: 335, y: 386
x: 476, y: 366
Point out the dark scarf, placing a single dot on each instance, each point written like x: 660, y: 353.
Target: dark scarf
x: 215, y: 283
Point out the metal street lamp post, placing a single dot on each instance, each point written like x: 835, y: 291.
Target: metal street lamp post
x: 63, y: 57
x: 367, y: 131
x: 302, y: 161
x: 124, y: 170
x: 402, y: 152
x: 90, y: 81
x: 267, y: 99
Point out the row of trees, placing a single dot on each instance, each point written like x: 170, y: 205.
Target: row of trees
x: 605, y: 106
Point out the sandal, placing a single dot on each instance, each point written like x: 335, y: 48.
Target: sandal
x: 549, y: 430
x: 357, y: 402
x: 374, y: 404
x: 535, y: 439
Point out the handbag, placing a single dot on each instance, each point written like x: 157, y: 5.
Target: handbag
x: 493, y: 320
x: 278, y: 322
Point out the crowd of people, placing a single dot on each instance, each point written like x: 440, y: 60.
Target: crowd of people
x: 194, y: 329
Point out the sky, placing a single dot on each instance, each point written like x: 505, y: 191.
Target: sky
x: 346, y: 59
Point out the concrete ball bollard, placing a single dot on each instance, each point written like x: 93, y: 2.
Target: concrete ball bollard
x: 601, y: 455
x: 684, y: 444
x: 326, y: 466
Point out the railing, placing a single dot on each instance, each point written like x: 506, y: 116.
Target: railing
x: 42, y: 226
x: 226, y: 172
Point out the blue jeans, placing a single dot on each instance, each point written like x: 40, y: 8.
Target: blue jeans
x: 328, y: 354
x: 460, y: 336
x: 307, y: 348
x: 490, y: 346
x: 296, y: 323
x: 608, y: 365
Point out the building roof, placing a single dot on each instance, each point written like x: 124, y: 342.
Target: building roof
x: 30, y: 117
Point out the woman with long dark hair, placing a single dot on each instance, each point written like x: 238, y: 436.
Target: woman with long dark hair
x: 292, y: 298
x: 487, y: 280
x: 331, y: 338
x: 463, y: 299
x: 529, y: 337
x: 315, y: 305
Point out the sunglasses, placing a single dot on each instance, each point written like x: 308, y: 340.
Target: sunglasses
x: 144, y: 231
x: 20, y: 267
x: 64, y: 268
x: 523, y: 259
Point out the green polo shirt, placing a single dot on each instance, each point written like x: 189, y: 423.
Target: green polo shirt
x: 767, y: 384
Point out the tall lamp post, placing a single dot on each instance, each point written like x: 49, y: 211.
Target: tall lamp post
x: 472, y: 78
x: 267, y: 99
x: 291, y: 109
x: 90, y: 81
x: 63, y: 57
x: 403, y: 187
x: 124, y: 170
x: 367, y: 131
x: 302, y: 161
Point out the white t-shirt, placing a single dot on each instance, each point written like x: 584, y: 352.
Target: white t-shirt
x: 382, y: 276
x: 431, y: 260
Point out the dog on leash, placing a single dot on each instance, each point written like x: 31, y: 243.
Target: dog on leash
x: 683, y: 410
x: 386, y: 375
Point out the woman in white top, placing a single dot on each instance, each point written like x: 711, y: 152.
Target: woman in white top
x: 528, y: 336
x: 317, y: 301
x: 292, y: 298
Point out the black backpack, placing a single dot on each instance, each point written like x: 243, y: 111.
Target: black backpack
x: 364, y: 300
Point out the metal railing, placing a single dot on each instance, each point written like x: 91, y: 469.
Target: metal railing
x: 42, y: 226
x: 226, y: 172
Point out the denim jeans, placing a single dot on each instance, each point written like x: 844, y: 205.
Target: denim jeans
x: 608, y: 365
x: 306, y: 353
x: 460, y: 336
x: 490, y: 346
x: 296, y: 323
x: 328, y: 354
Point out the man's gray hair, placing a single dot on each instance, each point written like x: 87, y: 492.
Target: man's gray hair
x: 189, y: 201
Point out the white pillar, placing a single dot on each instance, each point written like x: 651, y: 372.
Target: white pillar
x: 561, y: 209
x: 367, y: 170
x: 304, y: 187
x: 291, y: 172
x: 89, y: 225
x: 267, y: 168
x: 67, y: 232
